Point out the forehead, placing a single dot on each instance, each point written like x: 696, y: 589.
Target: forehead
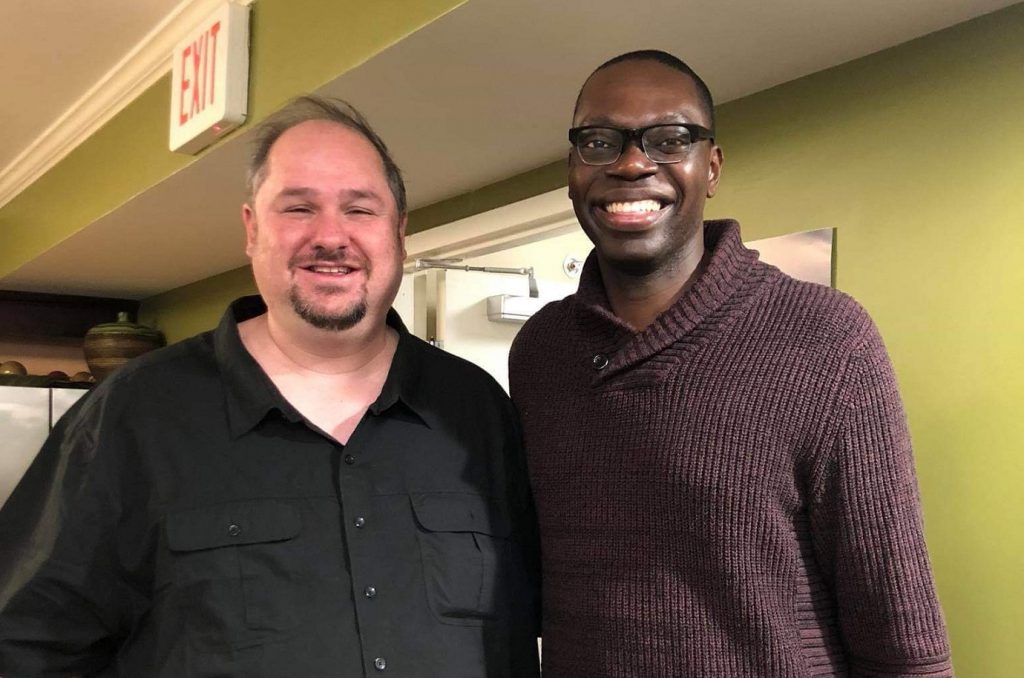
x: 323, y: 149
x: 637, y: 93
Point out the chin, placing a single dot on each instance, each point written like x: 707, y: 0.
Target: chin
x: 632, y: 266
x: 635, y: 261
x: 329, y: 316
x: 333, y: 322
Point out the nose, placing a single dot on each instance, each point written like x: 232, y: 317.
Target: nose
x: 633, y: 163
x: 330, y: 232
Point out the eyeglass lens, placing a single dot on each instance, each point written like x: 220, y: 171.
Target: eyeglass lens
x: 663, y: 144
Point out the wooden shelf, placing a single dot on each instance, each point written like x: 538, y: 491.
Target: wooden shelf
x: 30, y: 315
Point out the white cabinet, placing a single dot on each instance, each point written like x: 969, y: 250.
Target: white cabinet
x: 26, y: 416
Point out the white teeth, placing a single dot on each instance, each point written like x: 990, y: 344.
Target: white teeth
x: 331, y: 269
x: 634, y: 207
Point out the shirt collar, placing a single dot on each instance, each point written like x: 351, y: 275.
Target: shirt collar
x: 250, y: 394
x: 404, y: 383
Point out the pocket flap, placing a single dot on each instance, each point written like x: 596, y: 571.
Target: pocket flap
x: 231, y: 524
x: 459, y: 512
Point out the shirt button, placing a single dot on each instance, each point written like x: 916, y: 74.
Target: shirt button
x: 380, y: 663
x: 359, y: 522
x: 599, y: 361
x: 349, y: 459
x: 234, y: 530
x: 370, y: 592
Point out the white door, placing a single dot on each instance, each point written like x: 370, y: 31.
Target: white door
x: 465, y: 328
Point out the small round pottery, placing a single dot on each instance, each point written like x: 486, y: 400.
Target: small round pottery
x: 111, y: 345
x: 57, y: 375
x: 13, y: 367
x: 82, y: 378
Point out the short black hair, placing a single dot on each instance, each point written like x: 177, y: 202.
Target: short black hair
x: 669, y: 60
x: 305, y: 108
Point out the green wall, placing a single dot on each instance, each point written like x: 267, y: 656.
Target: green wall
x: 916, y: 155
x: 129, y: 154
x: 195, y: 308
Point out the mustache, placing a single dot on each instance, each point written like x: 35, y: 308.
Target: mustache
x: 323, y: 257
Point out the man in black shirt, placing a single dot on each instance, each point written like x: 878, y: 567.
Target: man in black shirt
x: 307, y: 490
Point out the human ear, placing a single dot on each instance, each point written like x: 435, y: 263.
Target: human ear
x: 403, y: 221
x: 714, y: 170
x: 249, y: 219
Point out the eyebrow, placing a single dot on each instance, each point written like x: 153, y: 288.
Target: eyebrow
x: 348, y: 194
x: 602, y: 121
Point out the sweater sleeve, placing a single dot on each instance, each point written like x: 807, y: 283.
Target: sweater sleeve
x: 867, y: 530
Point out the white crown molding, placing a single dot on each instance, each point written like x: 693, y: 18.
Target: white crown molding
x: 146, y: 63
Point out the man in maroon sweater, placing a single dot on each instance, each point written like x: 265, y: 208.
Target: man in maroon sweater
x: 718, y: 452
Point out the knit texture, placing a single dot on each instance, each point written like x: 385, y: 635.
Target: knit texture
x: 729, y: 492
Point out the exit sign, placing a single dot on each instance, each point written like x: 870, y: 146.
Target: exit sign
x: 210, y: 80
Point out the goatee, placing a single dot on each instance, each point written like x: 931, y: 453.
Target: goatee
x: 334, y: 322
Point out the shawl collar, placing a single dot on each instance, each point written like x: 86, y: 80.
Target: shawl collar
x: 600, y: 332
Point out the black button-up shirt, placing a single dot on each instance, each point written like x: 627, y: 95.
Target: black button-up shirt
x: 208, y: 529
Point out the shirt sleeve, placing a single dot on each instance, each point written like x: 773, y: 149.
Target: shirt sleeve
x: 30, y: 517
x: 526, y: 521
x: 868, y: 534
x: 67, y: 599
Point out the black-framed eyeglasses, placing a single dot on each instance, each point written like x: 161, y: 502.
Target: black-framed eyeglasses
x: 601, y: 145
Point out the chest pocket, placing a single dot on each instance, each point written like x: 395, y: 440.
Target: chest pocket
x: 466, y: 551
x: 235, y: 571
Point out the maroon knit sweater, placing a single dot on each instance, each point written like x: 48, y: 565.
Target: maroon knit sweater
x: 729, y: 492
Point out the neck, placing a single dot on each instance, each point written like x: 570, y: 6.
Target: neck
x: 638, y: 300
x: 302, y: 348
x: 329, y: 377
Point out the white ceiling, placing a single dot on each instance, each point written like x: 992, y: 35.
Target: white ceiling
x: 93, y: 61
x: 65, y: 47
x: 481, y: 94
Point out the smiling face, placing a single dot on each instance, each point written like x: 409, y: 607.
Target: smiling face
x: 323, y: 232
x: 643, y: 217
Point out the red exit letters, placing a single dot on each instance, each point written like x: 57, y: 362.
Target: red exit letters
x: 198, y: 74
x: 209, y: 78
